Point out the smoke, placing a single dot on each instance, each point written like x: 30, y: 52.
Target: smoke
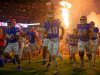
x: 79, y: 8
x: 83, y: 8
x: 94, y: 17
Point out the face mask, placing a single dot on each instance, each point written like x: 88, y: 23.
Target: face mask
x: 83, y: 21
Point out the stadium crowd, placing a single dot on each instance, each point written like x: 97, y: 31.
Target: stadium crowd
x: 23, y: 13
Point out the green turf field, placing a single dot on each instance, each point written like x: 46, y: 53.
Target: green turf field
x: 36, y: 68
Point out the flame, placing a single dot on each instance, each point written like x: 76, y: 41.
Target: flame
x: 94, y: 17
x: 65, y: 12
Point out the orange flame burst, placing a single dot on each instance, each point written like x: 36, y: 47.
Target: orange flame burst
x: 65, y: 6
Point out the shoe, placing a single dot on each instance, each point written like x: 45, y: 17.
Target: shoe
x: 14, y: 61
x: 48, y: 66
x: 44, y: 62
x: 19, y: 68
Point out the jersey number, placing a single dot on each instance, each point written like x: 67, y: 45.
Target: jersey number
x: 52, y: 30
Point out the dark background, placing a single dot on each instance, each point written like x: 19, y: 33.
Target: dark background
x: 35, y: 10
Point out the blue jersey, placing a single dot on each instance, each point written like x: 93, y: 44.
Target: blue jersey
x: 32, y: 36
x: 72, y: 40
x: 83, y: 32
x: 12, y: 33
x: 52, y: 29
x: 95, y: 31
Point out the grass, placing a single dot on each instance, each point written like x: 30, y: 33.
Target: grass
x: 36, y: 68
